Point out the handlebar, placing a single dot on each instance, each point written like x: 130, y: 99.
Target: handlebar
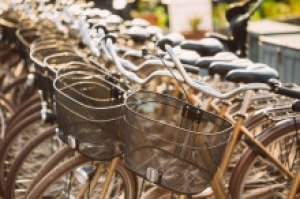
x: 288, y: 92
x: 210, y: 91
x: 157, y: 62
x: 132, y: 76
x: 207, y: 89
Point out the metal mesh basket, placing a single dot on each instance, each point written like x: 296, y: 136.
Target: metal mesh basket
x: 25, y: 37
x: 55, y: 61
x: 172, y: 143
x: 51, y: 39
x: 38, y: 55
x: 58, y: 60
x: 90, y: 112
x: 80, y: 66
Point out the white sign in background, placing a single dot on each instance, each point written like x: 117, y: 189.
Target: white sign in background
x: 181, y: 10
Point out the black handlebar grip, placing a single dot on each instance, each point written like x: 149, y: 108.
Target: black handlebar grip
x: 288, y: 92
x: 191, y: 69
x: 296, y: 106
x: 110, y: 36
x: 162, y: 43
x: 98, y: 26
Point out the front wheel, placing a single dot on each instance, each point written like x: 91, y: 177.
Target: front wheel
x: 61, y: 183
x: 257, y: 177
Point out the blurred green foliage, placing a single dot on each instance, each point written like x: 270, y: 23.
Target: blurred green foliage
x: 271, y: 9
x: 162, y: 16
x: 152, y: 7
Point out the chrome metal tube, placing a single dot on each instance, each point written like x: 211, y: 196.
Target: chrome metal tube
x: 208, y: 89
x: 132, y: 76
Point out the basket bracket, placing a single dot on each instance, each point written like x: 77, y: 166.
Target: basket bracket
x: 192, y: 113
x: 153, y: 175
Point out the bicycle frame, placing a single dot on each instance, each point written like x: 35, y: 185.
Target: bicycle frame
x: 239, y: 130
x: 294, y: 186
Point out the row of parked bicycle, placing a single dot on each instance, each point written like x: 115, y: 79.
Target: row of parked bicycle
x: 93, y: 106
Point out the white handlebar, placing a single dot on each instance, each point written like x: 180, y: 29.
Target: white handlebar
x: 207, y: 89
x: 132, y: 76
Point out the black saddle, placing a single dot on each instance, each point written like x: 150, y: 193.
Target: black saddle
x: 113, y: 20
x: 137, y: 22
x: 205, y: 62
x: 254, y: 73
x: 137, y: 34
x: 176, y: 38
x: 296, y: 106
x: 222, y: 68
x: 153, y: 30
x: 204, y: 47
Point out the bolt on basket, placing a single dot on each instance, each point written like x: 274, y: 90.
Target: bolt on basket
x: 171, y: 143
x: 90, y: 114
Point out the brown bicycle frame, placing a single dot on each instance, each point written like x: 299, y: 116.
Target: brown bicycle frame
x: 295, y: 186
x: 218, y: 185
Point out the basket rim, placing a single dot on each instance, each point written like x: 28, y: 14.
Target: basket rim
x: 177, y: 144
x: 52, y: 46
x: 9, y: 24
x: 172, y: 126
x: 57, y: 73
x: 56, y: 55
x: 80, y: 103
x: 102, y: 70
x: 36, y: 43
x: 22, y: 38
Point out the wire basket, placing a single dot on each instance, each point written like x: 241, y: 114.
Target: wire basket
x: 90, y: 114
x: 25, y: 37
x: 55, y: 61
x: 59, y: 60
x: 51, y: 39
x: 81, y: 66
x: 37, y: 55
x: 172, y: 143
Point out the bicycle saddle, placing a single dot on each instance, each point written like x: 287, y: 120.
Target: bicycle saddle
x: 222, y: 68
x: 254, y: 73
x: 153, y: 30
x: 137, y: 22
x: 176, y: 38
x: 185, y: 56
x: 137, y: 34
x: 204, y: 62
x: 204, y: 47
x: 113, y: 20
x: 296, y: 106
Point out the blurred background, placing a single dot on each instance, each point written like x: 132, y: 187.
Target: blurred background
x: 158, y: 11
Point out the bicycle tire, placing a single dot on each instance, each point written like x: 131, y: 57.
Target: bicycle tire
x: 162, y: 193
x: 28, y: 92
x: 6, y: 72
x: 156, y: 193
x: 17, y: 82
x: 49, y: 165
x: 74, y: 162
x: 241, y: 169
x: 19, y: 116
x: 14, y: 169
x: 31, y: 100
x: 9, y: 138
x: 9, y: 105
